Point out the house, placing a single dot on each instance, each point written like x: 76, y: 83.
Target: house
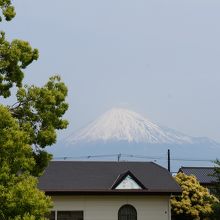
x: 203, y: 174
x: 108, y: 190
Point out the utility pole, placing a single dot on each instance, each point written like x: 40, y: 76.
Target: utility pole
x: 168, y: 159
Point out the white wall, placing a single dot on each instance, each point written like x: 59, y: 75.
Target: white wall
x: 106, y: 207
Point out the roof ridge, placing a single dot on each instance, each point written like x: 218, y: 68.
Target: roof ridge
x: 198, y: 167
x: 98, y: 161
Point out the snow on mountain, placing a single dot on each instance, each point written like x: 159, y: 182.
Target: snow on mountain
x: 120, y: 124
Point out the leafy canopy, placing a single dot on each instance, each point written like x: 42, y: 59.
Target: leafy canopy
x: 216, y: 191
x: 217, y: 176
x: 8, y: 11
x: 39, y: 110
x: 195, y: 203
x: 27, y: 127
x: 14, y: 57
x: 19, y: 195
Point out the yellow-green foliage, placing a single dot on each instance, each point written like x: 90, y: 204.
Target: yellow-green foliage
x: 195, y: 202
x: 19, y: 195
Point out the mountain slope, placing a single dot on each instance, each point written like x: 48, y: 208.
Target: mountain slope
x: 121, y: 131
x: 124, y: 125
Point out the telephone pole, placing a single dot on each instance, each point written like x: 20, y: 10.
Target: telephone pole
x: 168, y: 159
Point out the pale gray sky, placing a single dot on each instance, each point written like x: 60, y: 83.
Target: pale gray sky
x: 159, y: 58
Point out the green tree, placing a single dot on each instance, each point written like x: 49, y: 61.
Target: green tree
x: 194, y: 203
x: 19, y: 196
x: 217, y: 176
x: 8, y: 11
x: 216, y: 206
x: 15, y: 56
x: 216, y: 211
x: 27, y: 127
x: 39, y: 110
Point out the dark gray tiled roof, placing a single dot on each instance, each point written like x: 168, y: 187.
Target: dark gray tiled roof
x: 203, y: 174
x: 72, y: 176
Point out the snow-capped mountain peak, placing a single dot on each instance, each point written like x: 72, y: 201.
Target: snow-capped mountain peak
x: 120, y: 124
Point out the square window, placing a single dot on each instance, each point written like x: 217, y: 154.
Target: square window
x: 69, y: 215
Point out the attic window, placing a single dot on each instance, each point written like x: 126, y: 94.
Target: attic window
x: 128, y: 183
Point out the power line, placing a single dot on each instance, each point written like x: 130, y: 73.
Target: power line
x: 185, y: 159
x: 120, y: 156
x: 85, y: 157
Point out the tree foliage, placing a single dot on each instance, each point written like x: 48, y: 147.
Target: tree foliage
x: 8, y: 11
x: 216, y: 190
x: 39, y: 112
x: 217, y: 176
x: 27, y: 127
x: 216, y: 211
x: 195, y: 203
x: 19, y: 195
x: 14, y: 57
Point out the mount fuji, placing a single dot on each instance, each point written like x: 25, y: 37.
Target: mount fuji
x: 120, y: 124
x: 126, y: 132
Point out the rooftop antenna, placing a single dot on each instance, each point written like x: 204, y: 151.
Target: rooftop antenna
x: 119, y: 157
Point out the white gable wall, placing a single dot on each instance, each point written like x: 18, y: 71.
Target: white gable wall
x: 106, y: 207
